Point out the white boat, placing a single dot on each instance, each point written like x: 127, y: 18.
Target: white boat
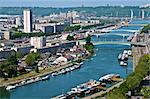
x: 62, y: 96
x: 108, y: 77
x: 23, y: 82
x: 126, y: 56
x: 119, y: 57
x: 45, y: 78
x: 129, y: 52
x: 67, y: 69
x: 10, y: 87
x: 77, y: 66
x: 125, y: 52
x: 37, y: 79
x: 63, y: 71
x: 54, y: 74
x: 123, y: 63
x: 81, y: 63
x: 72, y: 68
x: 29, y: 81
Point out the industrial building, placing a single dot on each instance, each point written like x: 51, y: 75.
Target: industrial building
x: 50, y: 27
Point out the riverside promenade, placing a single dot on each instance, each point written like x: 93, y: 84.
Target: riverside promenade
x: 24, y: 77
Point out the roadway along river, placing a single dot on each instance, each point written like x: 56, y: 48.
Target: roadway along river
x: 103, y: 62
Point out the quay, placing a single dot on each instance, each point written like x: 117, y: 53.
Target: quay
x: 103, y: 92
x: 9, y: 82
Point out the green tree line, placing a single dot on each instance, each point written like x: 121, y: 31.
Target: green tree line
x: 133, y: 80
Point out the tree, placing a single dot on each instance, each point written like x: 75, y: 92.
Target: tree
x: 133, y: 80
x: 89, y: 47
x: 70, y: 38
x: 146, y: 92
x: 145, y: 29
x: 72, y: 28
x: 13, y: 60
x: 31, y: 58
x: 10, y: 70
x: 19, y: 55
x: 36, y: 69
x: 88, y: 39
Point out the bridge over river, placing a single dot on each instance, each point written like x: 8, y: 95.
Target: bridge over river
x: 116, y: 43
x: 117, y: 34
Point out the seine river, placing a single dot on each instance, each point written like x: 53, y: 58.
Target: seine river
x: 103, y: 62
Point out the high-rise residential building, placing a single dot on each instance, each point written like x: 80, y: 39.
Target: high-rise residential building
x: 143, y: 13
x: 27, y: 14
x: 38, y: 42
x: 18, y: 21
x: 131, y: 14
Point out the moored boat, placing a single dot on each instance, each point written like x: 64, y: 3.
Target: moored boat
x: 10, y: 87
x: 45, y: 77
x: 129, y: 52
x: 119, y: 56
x: 107, y: 78
x: 62, y: 96
x: 123, y: 63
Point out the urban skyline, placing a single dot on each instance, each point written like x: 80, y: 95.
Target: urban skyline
x: 70, y: 3
x: 71, y: 53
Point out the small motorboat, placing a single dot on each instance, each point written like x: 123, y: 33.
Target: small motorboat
x: 10, y: 87
x: 54, y: 74
x: 45, y: 78
x: 119, y: 56
x: 123, y: 63
x: 129, y: 52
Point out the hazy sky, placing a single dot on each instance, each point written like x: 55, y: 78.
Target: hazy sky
x: 69, y: 3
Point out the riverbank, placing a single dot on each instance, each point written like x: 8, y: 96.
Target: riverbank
x: 33, y: 74
x: 97, y: 95
x: 137, y: 53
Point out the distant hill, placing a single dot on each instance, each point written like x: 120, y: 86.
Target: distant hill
x: 99, y: 11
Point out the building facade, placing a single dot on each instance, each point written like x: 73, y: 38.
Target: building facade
x: 27, y: 15
x: 38, y: 42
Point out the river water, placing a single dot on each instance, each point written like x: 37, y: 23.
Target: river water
x: 103, y: 62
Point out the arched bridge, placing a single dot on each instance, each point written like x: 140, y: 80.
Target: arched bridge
x: 117, y: 34
x: 125, y: 30
x: 110, y: 42
x: 115, y: 42
x: 136, y: 24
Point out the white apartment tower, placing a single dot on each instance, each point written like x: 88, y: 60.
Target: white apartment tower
x: 132, y: 14
x: 143, y: 13
x: 27, y: 15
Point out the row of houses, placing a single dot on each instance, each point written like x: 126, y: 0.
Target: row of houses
x: 4, y: 54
